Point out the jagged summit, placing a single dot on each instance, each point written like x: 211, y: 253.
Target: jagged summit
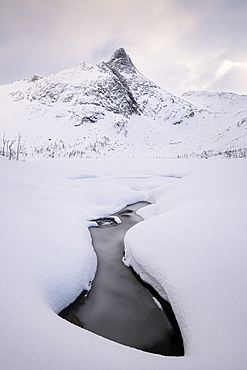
x: 120, y: 61
x: 120, y: 54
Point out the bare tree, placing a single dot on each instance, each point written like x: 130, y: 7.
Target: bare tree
x: 20, y: 147
x: 4, y: 144
x: 11, y: 150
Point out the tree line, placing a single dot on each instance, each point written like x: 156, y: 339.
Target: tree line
x: 13, y: 149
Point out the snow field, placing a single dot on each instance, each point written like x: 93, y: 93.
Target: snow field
x: 191, y: 246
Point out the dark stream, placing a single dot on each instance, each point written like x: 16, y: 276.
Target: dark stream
x: 120, y: 306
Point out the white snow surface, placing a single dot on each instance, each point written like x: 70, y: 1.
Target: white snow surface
x: 191, y: 247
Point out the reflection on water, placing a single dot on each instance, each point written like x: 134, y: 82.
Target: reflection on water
x: 119, y: 307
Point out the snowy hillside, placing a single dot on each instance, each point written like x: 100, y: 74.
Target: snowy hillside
x: 221, y: 102
x: 112, y: 110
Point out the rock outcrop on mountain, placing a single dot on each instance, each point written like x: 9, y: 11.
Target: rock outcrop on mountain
x: 111, y: 109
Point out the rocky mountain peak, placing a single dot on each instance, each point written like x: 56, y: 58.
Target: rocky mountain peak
x: 121, y: 62
x: 119, y: 54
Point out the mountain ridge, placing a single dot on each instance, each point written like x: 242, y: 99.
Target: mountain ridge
x: 111, y: 109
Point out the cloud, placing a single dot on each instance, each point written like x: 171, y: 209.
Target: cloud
x: 230, y: 76
x: 226, y: 66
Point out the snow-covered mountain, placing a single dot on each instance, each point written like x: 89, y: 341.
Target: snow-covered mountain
x: 111, y: 109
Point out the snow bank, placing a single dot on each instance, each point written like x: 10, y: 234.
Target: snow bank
x: 192, y: 248
x: 191, y: 245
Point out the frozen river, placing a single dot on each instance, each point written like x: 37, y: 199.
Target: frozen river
x: 118, y: 306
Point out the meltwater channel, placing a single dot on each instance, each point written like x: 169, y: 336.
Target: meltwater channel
x: 120, y: 306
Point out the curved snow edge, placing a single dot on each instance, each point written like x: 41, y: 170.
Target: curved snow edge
x: 130, y: 261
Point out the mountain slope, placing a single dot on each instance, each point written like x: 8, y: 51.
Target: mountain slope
x: 111, y: 109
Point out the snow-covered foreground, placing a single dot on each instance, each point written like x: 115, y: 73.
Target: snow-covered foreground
x: 191, y: 247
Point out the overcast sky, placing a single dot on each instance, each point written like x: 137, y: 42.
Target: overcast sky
x: 179, y: 44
